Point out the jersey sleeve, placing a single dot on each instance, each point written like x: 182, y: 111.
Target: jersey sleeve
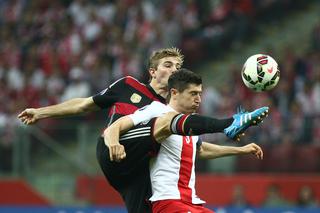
x: 107, y: 97
x: 146, y: 113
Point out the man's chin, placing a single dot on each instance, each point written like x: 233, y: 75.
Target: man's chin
x: 193, y: 110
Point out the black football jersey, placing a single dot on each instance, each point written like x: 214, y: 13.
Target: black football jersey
x: 124, y: 97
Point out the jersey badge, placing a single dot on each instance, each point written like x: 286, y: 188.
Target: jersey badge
x: 135, y: 98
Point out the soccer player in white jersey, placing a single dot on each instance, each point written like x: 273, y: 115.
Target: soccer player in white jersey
x: 173, y: 169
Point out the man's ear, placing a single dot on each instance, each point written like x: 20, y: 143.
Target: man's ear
x: 152, y: 72
x: 173, y: 92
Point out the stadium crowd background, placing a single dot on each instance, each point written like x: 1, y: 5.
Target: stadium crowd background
x: 52, y: 51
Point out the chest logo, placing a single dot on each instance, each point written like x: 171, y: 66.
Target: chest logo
x: 135, y: 98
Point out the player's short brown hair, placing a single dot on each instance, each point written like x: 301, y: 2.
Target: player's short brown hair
x: 162, y: 53
x: 181, y: 80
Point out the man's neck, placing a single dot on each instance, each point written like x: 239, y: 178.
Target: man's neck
x: 178, y: 108
x: 175, y: 106
x: 159, y: 90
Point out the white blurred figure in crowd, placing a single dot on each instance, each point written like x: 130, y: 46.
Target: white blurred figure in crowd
x: 80, y: 12
x: 78, y: 86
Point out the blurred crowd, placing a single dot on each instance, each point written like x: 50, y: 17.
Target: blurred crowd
x: 294, y: 103
x: 52, y: 51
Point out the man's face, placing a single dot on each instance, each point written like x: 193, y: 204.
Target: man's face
x: 189, y: 100
x: 166, y: 67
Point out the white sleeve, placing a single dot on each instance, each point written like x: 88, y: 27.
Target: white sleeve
x: 147, y: 112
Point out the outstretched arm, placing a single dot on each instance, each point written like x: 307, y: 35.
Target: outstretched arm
x: 211, y: 151
x: 71, y: 107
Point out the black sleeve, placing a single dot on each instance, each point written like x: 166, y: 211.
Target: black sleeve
x: 107, y: 97
x: 194, y: 124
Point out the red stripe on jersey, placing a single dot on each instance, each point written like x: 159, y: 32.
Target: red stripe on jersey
x: 123, y: 109
x: 186, y: 164
x: 141, y: 88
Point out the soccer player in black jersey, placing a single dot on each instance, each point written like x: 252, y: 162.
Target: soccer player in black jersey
x: 130, y: 177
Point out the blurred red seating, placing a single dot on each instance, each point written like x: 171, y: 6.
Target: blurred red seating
x: 249, y: 163
x: 279, y: 158
x: 306, y: 159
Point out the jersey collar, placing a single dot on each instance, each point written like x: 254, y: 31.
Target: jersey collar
x: 161, y: 99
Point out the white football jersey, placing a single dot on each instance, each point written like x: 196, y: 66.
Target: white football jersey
x: 146, y: 113
x: 173, y: 170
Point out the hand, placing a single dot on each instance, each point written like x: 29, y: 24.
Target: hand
x: 254, y: 149
x: 117, y: 152
x: 29, y: 116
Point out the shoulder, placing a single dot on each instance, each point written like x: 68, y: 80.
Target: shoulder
x: 160, y: 108
x: 129, y: 81
x: 157, y: 104
x: 124, y: 80
x: 133, y: 82
x: 130, y: 78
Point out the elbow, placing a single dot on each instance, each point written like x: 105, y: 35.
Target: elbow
x: 83, y: 108
x: 86, y: 105
x: 202, y: 154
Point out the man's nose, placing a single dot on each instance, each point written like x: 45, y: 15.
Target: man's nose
x: 198, y: 99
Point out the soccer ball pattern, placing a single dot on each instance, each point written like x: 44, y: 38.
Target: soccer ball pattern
x: 260, y: 72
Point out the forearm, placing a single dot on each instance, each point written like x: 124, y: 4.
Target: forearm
x: 211, y: 151
x: 71, y: 107
x: 113, y: 132
x: 112, y: 135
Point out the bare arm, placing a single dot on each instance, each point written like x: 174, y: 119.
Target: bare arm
x: 162, y: 126
x: 122, y: 125
x: 211, y: 151
x: 71, y: 107
x: 112, y: 135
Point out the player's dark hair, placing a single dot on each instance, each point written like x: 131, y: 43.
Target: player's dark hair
x: 181, y: 79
